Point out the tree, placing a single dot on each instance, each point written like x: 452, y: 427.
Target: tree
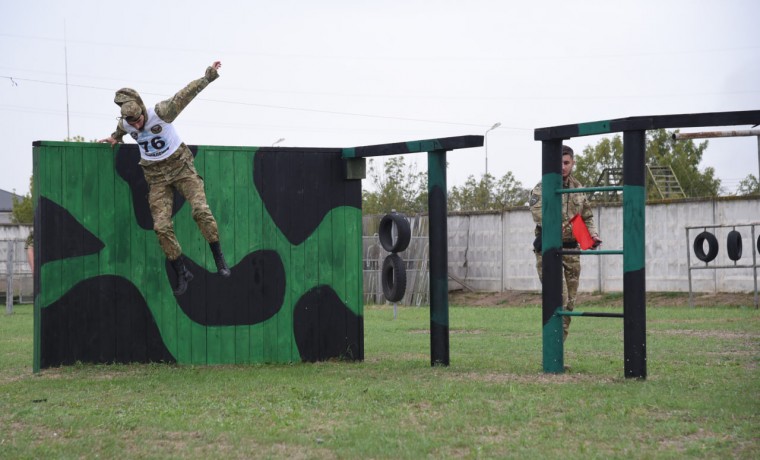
x: 398, y: 186
x: 661, y: 150
x: 78, y: 139
x: 23, y: 209
x: 748, y: 186
x: 485, y: 195
x: 684, y: 158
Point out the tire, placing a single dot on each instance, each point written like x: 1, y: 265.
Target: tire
x: 734, y: 245
x: 758, y: 244
x: 712, y: 246
x: 393, y: 278
x: 403, y: 232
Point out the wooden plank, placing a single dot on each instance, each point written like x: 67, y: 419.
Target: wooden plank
x: 194, y: 245
x: 690, y: 120
x: 256, y: 215
x: 326, y: 240
x: 285, y: 165
x: 444, y: 143
x: 340, y: 238
x: 236, y: 242
x: 107, y: 232
x: 50, y: 187
x: 312, y: 181
x: 215, y: 336
x: 77, y: 324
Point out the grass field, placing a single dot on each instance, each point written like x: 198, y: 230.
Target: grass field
x: 701, y: 399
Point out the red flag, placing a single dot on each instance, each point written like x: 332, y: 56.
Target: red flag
x: 580, y: 232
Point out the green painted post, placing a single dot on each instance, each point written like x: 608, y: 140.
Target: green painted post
x: 438, y: 240
x: 551, y: 236
x: 634, y: 285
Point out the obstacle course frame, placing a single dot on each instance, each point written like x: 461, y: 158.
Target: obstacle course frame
x: 634, y: 199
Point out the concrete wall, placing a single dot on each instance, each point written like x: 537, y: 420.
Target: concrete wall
x: 669, y: 252
x: 493, y: 251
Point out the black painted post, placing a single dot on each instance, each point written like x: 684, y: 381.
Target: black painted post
x: 551, y: 235
x: 634, y: 285
x: 439, y: 259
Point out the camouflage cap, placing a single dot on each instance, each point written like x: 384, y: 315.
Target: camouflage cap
x: 131, y: 110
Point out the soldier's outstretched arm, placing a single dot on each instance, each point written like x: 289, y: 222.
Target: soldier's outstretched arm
x: 169, y: 109
x: 115, y: 137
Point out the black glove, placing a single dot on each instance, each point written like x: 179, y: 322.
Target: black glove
x: 537, y: 243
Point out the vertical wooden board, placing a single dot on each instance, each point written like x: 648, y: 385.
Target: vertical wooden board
x: 107, y: 230
x: 313, y: 181
x: 286, y: 164
x: 50, y: 183
x: 72, y: 169
x: 326, y: 239
x: 213, y: 185
x: 255, y: 227
x: 97, y: 343
x: 194, y: 246
x: 292, y: 164
x: 239, y: 167
x: 270, y: 236
x: 225, y: 216
x: 340, y: 237
x: 121, y: 250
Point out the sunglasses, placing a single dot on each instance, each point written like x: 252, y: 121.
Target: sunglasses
x: 133, y: 119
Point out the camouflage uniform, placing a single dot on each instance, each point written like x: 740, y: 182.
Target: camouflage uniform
x: 572, y: 204
x: 177, y: 171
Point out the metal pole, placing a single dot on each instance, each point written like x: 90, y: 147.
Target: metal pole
x: 634, y: 243
x: 754, y: 258
x: 688, y: 264
x: 734, y: 133
x: 9, y: 282
x: 439, y: 259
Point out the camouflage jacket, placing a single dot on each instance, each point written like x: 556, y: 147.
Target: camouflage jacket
x: 572, y: 204
x: 169, y: 109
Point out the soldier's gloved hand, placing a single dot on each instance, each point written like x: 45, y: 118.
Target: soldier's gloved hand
x: 597, y: 242
x: 212, y: 71
x: 537, y: 243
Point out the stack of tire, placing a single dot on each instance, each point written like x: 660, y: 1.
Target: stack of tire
x: 393, y: 274
x: 733, y: 246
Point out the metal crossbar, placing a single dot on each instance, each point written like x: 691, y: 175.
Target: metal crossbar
x: 591, y: 252
x: 586, y: 313
x: 610, y: 188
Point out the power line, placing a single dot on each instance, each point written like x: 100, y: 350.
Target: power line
x: 278, y: 107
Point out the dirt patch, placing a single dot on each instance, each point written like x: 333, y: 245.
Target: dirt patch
x: 654, y: 299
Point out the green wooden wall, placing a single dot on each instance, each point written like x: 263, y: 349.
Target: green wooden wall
x: 289, y: 224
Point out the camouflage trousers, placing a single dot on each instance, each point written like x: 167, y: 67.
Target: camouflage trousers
x: 571, y: 270
x: 177, y: 173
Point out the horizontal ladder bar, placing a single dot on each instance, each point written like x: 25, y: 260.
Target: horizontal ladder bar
x: 591, y: 252
x: 610, y: 188
x: 586, y: 313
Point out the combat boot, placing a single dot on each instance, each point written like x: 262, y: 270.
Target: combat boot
x: 221, y: 265
x: 183, y: 275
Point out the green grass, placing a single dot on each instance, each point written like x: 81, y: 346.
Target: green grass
x: 701, y: 399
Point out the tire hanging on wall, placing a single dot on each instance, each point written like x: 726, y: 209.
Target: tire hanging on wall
x: 734, y: 245
x: 758, y: 244
x: 393, y: 278
x: 403, y: 230
x: 712, y: 246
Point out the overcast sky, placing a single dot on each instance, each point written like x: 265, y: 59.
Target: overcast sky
x: 340, y: 73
